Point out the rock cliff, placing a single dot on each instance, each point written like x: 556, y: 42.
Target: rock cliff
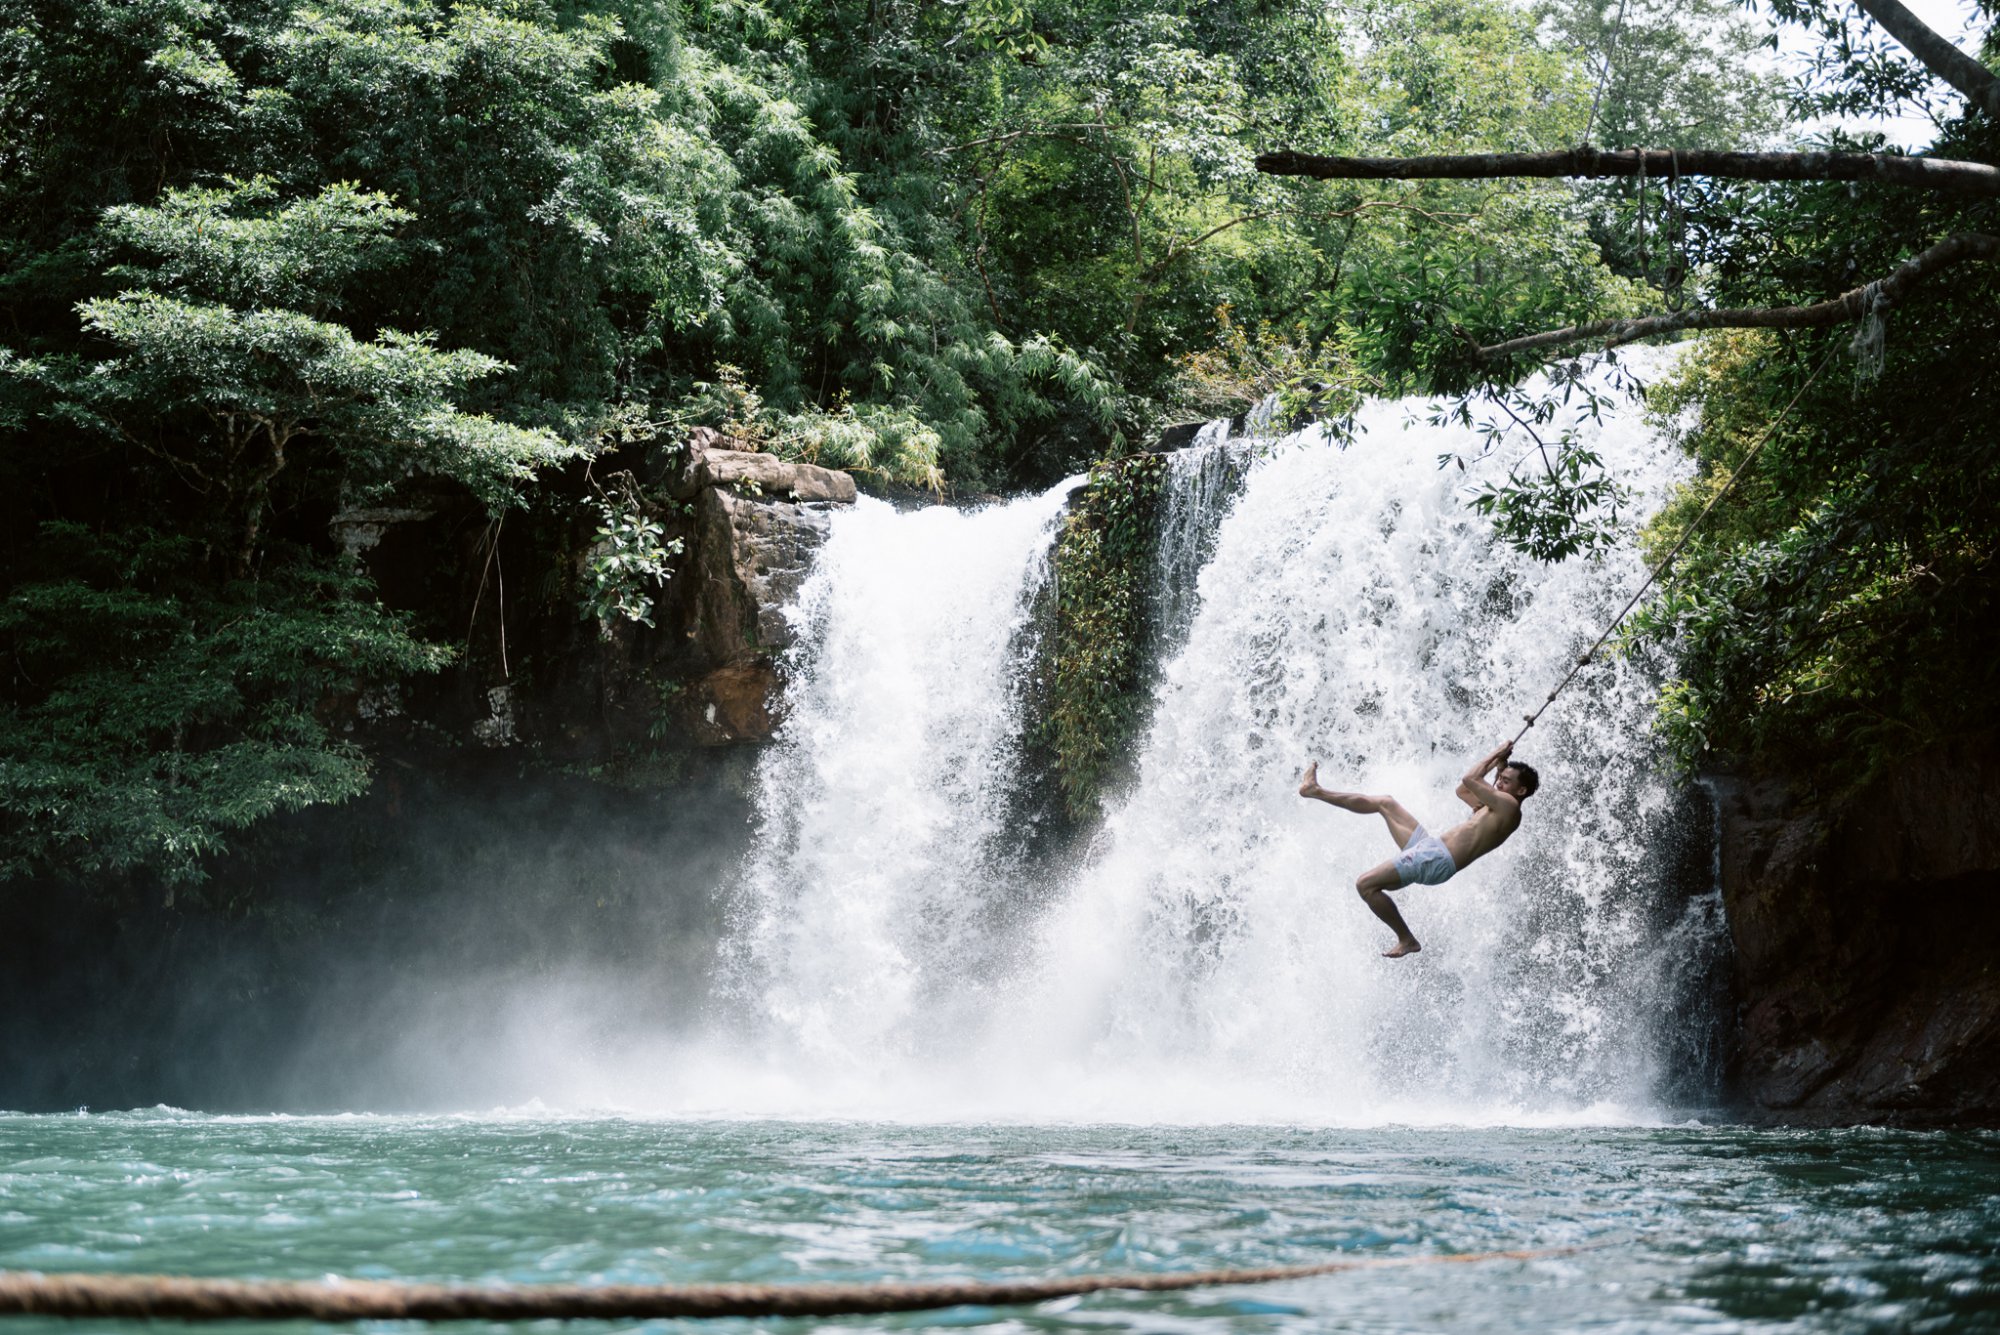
x: 596, y: 696
x: 757, y: 522
x: 1866, y: 935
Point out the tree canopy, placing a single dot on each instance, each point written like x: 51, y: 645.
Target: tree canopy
x: 262, y: 262
x: 1841, y: 612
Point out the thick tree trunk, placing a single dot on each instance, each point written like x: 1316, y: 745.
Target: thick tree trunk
x: 1979, y: 84
x: 1975, y: 178
x: 1884, y: 293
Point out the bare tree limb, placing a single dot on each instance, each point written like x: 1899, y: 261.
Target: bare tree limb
x: 1937, y: 54
x: 1976, y: 178
x: 186, y: 468
x: 1848, y: 306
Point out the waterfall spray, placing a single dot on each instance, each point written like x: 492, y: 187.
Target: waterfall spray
x: 869, y: 908
x: 1210, y: 960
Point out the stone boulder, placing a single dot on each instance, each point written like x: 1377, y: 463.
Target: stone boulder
x: 751, y: 554
x: 360, y: 530
x: 774, y: 477
x: 708, y: 461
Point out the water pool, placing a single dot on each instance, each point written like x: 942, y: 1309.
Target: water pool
x: 1685, y: 1227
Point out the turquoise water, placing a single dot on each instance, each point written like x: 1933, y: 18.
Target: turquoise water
x: 1688, y: 1228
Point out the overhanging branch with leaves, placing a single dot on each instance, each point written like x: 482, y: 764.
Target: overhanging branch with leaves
x: 1980, y: 85
x: 1877, y: 297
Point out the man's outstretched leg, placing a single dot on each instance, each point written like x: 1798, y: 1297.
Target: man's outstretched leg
x: 1401, y: 823
x: 1374, y: 888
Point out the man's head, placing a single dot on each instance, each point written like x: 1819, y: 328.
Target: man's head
x: 1517, y: 780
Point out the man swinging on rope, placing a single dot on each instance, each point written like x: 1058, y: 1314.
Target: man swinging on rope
x: 1430, y: 859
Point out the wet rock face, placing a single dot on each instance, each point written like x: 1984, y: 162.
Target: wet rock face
x: 758, y: 521
x: 1868, y: 944
x: 750, y: 558
x: 738, y: 703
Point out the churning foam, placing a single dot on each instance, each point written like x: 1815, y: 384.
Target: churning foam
x: 1209, y: 960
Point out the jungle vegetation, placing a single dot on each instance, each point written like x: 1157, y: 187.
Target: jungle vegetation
x: 263, y: 262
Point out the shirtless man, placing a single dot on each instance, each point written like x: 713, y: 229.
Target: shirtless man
x: 1430, y: 859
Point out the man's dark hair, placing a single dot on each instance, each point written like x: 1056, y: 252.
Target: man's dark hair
x: 1529, y: 779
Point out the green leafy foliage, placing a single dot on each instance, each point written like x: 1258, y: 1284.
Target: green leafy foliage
x: 185, y: 687
x: 262, y: 262
x: 1838, y: 609
x: 1670, y: 73
x: 1552, y: 515
x: 1103, y: 563
x: 1666, y: 74
x: 158, y: 710
x: 1856, y: 68
x: 1324, y: 384
x: 241, y: 244
x: 627, y: 562
x: 1556, y: 500
x: 888, y: 441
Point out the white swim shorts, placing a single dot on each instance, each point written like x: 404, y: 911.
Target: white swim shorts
x: 1425, y: 860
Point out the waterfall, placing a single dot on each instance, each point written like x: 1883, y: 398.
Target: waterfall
x: 1201, y: 482
x: 870, y: 909
x: 1324, y: 599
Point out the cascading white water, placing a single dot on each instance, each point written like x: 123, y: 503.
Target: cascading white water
x: 1201, y: 482
x: 878, y: 874
x: 1210, y: 959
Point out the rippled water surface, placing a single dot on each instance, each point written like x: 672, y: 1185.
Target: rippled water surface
x: 1683, y: 1227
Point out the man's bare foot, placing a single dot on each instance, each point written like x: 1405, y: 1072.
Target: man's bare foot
x: 1309, y: 786
x: 1401, y: 948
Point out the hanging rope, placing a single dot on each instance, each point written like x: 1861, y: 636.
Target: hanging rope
x: 29, y: 1294
x: 1645, y: 272
x: 1677, y: 265
x: 1660, y: 568
x: 1604, y: 76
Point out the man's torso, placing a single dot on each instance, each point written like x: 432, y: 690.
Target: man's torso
x: 1480, y: 833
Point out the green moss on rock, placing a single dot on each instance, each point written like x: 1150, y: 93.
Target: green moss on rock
x: 1103, y: 624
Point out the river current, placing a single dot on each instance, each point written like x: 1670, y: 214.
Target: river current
x: 1689, y: 1227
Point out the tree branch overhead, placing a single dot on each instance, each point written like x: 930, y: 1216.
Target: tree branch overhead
x: 1880, y: 295
x: 1948, y: 174
x: 1980, y: 85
